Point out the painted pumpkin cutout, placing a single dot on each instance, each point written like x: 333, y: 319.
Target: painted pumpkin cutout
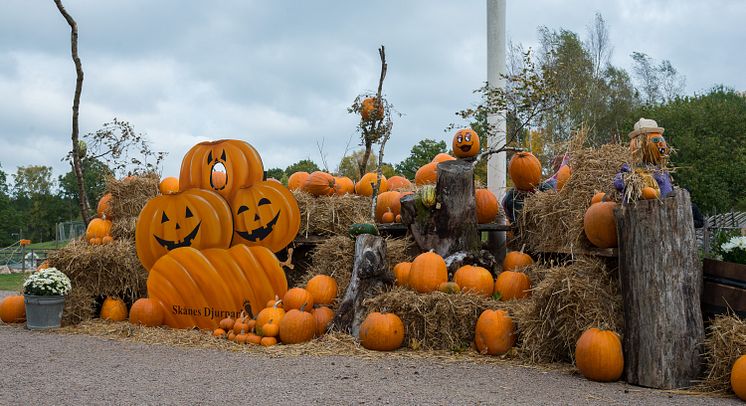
x: 465, y: 143
x: 223, y: 166
x: 265, y: 214
x: 194, y: 218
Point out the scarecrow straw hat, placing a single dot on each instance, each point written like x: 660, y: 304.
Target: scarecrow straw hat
x: 645, y: 126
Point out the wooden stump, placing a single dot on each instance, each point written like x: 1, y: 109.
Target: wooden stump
x: 370, y: 273
x: 661, y: 283
x: 450, y: 226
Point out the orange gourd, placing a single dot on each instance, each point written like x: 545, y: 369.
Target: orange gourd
x: 487, y: 207
x: 323, y: 289
x: 382, y: 332
x: 465, y: 143
x: 427, y: 174
x: 98, y: 228
x: 738, y: 377
x: 649, y: 193
x: 13, y: 309
x: 169, y: 185
x: 296, y: 298
x: 296, y: 180
x: 320, y: 184
x: 515, y: 260
x: 474, y: 279
x: 113, y: 309
x: 265, y: 214
x: 599, y: 225
x: 344, y: 186
x: 399, y: 183
x: 598, y: 355
x: 525, y: 171
x: 103, y: 209
x: 401, y: 273
x: 388, y: 217
x: 364, y: 186
x: 512, y: 285
x: 427, y: 272
x: 371, y: 110
x: 146, y: 311
x: 298, y: 326
x: 388, y: 202
x: 324, y: 317
x: 494, y: 333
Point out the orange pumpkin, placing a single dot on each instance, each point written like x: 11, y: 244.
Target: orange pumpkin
x: 239, y: 161
x: 107, y: 239
x: 512, y: 285
x: 323, y: 289
x: 738, y: 377
x: 265, y: 214
x: 427, y: 174
x: 344, y: 186
x: 113, y: 309
x: 194, y: 218
x: 320, y: 184
x: 399, y: 183
x: 598, y: 197
x: 442, y: 157
x: 364, y: 186
x: 474, y: 279
x: 598, y: 355
x: 297, y: 298
x: 388, y: 217
x: 103, y: 209
x: 268, y: 341
x: 148, y: 312
x: 465, y: 143
x: 297, y: 180
x: 427, y: 272
x: 219, y: 333
x: 525, y: 171
x: 13, y: 309
x: 563, y: 175
x: 649, y: 193
x: 270, y: 329
x: 371, y: 110
x: 298, y: 326
x: 494, y: 333
x: 273, y: 313
x: 382, y: 332
x: 401, y: 272
x: 388, y: 202
x: 324, y: 317
x: 599, y: 225
x: 487, y: 207
x: 515, y: 260
x: 169, y: 185
x: 98, y: 228
x: 227, y: 323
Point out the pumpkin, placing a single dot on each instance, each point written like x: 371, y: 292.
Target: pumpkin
x: 107, y: 239
x: 324, y: 317
x: 598, y: 355
x: 516, y: 260
x: 227, y: 323
x: 13, y: 309
x: 494, y: 333
x: 465, y: 143
x: 487, y: 207
x: 427, y: 272
x: 599, y: 225
x: 252, y: 338
x: 169, y: 185
x: 449, y: 287
x: 401, y: 273
x: 103, y: 209
x: 270, y: 329
x: 297, y: 179
x: 343, y: 186
x: 268, y: 341
x: 442, y: 157
x: 738, y: 377
x: 194, y: 218
x: 649, y: 193
x: 397, y: 218
x: 474, y: 279
x: 323, y: 289
x: 201, y: 287
x: 273, y: 313
x: 563, y: 175
x: 371, y: 110
x: 427, y: 174
x: 382, y: 332
x: 113, y: 309
x: 265, y: 214
x: 388, y: 217
x: 218, y: 333
x: 525, y: 171
x: 512, y: 285
x: 95, y: 241
x: 98, y: 228
x: 296, y: 298
x: 237, y: 159
x: 298, y: 326
x: 364, y: 186
x: 598, y: 197
x: 399, y: 183
x: 146, y: 311
x: 320, y: 184
x: 388, y: 202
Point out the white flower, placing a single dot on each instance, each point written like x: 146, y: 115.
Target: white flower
x: 48, y: 281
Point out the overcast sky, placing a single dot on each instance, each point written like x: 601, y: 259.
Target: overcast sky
x: 280, y: 74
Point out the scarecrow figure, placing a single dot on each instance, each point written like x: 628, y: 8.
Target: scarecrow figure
x: 650, y: 156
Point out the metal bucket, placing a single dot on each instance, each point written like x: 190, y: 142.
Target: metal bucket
x: 43, y: 312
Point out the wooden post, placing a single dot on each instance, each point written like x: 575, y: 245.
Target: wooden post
x: 661, y: 283
x: 370, y: 273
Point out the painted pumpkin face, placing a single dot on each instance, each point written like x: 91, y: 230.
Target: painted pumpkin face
x: 223, y: 166
x: 265, y: 214
x: 195, y: 218
x: 465, y: 143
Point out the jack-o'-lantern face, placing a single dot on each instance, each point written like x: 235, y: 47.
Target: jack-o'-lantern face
x: 465, y: 143
x: 265, y: 214
x: 656, y: 149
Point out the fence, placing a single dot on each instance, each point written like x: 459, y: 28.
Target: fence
x: 724, y: 221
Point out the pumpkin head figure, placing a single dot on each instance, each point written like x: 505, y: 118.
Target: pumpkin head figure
x: 465, y: 143
x: 647, y: 143
x: 265, y: 214
x: 223, y: 166
x: 194, y: 218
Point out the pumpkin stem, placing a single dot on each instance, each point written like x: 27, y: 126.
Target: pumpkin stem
x: 303, y: 307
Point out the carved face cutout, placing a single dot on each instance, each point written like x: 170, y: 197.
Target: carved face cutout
x: 656, y: 149
x: 181, y: 228
x: 265, y: 214
x: 465, y: 143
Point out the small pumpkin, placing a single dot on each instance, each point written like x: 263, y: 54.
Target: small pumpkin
x: 512, y: 285
x: 427, y: 174
x: 494, y: 333
x: 563, y: 175
x: 738, y: 377
x: 13, y: 309
x: 599, y: 225
x: 297, y: 179
x: 442, y: 157
x: 270, y: 329
x: 474, y: 279
x: 449, y: 287
x: 487, y: 207
x: 268, y: 341
x: 525, y: 170
x: 298, y: 326
x: 219, y: 333
x: 598, y: 197
x: 649, y: 193
x: 598, y: 355
x: 107, y: 239
x: 254, y: 339
x: 515, y: 260
x: 273, y: 313
x: 323, y: 289
x: 401, y: 273
x: 388, y: 217
x: 169, y: 185
x: 382, y: 332
x: 113, y: 309
x: 296, y: 298
x: 427, y: 272
x: 103, y: 209
x: 388, y: 202
x: 465, y: 143
x: 227, y: 323
x: 364, y: 186
x: 324, y: 317
x: 320, y: 184
x: 147, y: 312
x: 343, y: 186
x: 399, y: 183
x: 371, y: 110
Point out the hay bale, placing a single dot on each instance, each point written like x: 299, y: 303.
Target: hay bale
x: 435, y: 320
x: 567, y: 300
x: 129, y: 195
x: 331, y: 215
x: 124, y: 228
x: 548, y: 214
x: 725, y: 342
x: 80, y: 305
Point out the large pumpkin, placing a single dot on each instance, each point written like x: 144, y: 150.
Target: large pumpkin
x: 343, y: 186
x: 194, y: 218
x: 200, y: 288
x: 512, y: 285
x: 738, y: 377
x: 598, y: 355
x: 265, y: 214
x: 296, y: 180
x: 324, y: 317
x: 494, y: 333
x: 169, y: 185
x: 525, y: 171
x: 465, y: 143
x: 148, y: 312
x: 320, y: 184
x: 323, y: 289
x: 364, y: 186
x: 487, y: 207
x: 442, y: 157
x: 427, y: 174
x: 239, y: 161
x: 13, y: 309
x: 97, y: 229
x: 599, y: 225
x: 474, y: 279
x: 387, y: 202
x: 382, y: 332
x: 298, y: 326
x: 399, y: 183
x: 427, y: 272
x: 114, y: 309
x: 401, y: 273
x: 515, y: 260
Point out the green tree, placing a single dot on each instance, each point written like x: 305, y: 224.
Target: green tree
x: 276, y: 173
x: 95, y: 173
x: 32, y: 181
x: 423, y: 152
x: 350, y: 165
x: 658, y: 83
x: 304, y: 165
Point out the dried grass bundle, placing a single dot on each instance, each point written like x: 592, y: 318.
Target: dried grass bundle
x: 725, y: 342
x: 331, y: 214
x: 124, y: 228
x: 80, y: 305
x: 129, y: 195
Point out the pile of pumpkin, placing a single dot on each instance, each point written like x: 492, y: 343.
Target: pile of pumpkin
x: 98, y: 231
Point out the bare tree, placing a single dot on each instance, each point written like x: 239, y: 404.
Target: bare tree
x: 598, y: 45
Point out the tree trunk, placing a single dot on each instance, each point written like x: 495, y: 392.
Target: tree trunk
x: 77, y: 167
x: 451, y: 226
x: 370, y: 274
x: 661, y: 283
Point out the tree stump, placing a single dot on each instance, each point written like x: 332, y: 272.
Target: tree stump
x: 370, y: 273
x: 661, y: 283
x: 451, y: 226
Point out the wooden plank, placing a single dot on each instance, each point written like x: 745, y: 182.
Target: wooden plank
x: 718, y: 294
x: 723, y: 269
x: 600, y: 252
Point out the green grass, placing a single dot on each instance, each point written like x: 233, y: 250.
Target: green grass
x: 47, y: 245
x: 12, y: 282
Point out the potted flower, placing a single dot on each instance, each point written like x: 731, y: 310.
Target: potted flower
x: 44, y: 295
x: 724, y: 274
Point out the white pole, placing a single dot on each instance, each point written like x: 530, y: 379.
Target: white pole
x: 496, y: 165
